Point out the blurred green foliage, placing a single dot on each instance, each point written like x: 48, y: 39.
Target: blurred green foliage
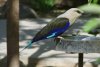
x: 97, y: 61
x: 91, y: 24
x: 42, y: 5
x: 93, y: 8
x: 93, y: 1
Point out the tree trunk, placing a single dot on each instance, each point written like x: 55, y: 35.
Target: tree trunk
x: 13, y: 33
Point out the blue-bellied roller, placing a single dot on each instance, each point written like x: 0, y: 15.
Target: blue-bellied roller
x: 57, y: 26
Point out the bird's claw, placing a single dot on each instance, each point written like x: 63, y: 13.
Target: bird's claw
x: 58, y: 39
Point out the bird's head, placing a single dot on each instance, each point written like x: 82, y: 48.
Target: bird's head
x: 72, y: 14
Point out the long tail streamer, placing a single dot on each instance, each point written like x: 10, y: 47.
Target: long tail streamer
x: 29, y: 44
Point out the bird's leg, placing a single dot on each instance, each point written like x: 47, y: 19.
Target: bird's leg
x: 58, y: 39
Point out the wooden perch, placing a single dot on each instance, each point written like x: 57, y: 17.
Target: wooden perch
x: 80, y: 44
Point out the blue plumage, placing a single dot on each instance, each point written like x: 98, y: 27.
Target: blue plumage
x: 52, y: 35
x: 56, y: 32
x: 51, y: 30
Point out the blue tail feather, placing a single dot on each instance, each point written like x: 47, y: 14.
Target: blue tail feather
x: 29, y: 44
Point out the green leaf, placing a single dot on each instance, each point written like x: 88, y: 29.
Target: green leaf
x: 91, y: 8
x: 95, y: 1
x: 98, y: 61
x: 91, y: 24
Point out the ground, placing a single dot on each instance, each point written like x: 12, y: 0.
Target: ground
x: 42, y: 53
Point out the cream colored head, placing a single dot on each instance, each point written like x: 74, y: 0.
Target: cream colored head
x: 72, y: 14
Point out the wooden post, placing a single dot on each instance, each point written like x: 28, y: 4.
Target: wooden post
x: 13, y: 33
x: 80, y: 60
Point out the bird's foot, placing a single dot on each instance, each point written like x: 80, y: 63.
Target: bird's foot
x: 58, y: 39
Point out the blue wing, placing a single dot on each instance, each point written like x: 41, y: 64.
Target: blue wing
x: 53, y: 29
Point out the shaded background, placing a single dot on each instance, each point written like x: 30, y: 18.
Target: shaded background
x: 34, y: 14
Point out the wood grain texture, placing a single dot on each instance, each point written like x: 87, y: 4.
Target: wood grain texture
x: 80, y: 45
x: 13, y: 33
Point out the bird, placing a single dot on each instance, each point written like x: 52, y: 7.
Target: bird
x: 57, y: 26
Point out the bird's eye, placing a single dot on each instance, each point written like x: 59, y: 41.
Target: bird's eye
x: 78, y: 11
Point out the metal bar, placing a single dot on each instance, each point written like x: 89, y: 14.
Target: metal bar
x: 80, y: 60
